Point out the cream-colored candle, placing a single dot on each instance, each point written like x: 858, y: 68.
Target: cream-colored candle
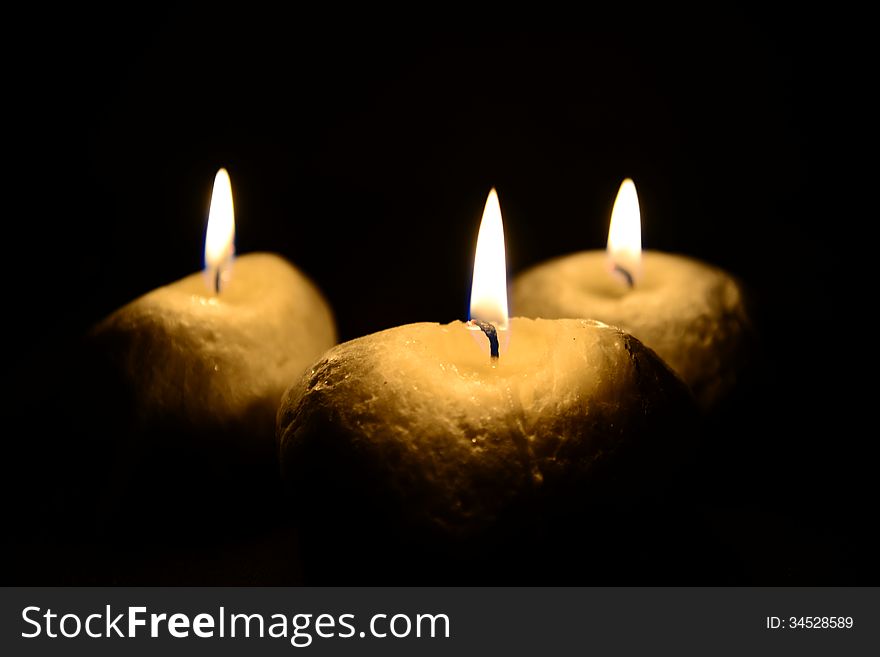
x: 691, y: 313
x: 209, y: 356
x: 417, y: 433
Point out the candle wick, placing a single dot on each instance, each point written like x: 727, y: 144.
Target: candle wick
x: 217, y: 280
x: 491, y: 333
x: 630, y: 283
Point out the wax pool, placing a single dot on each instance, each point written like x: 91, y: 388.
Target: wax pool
x: 692, y: 314
x: 413, y: 441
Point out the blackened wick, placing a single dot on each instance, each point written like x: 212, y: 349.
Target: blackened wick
x: 491, y: 333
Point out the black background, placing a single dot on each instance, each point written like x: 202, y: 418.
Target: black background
x: 361, y: 145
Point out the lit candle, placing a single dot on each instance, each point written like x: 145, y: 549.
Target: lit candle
x: 430, y: 437
x: 692, y: 314
x: 197, y: 368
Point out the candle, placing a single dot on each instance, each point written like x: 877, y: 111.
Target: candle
x: 430, y: 439
x: 192, y: 372
x: 691, y: 313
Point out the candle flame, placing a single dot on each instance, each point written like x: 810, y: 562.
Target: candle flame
x: 625, y: 235
x: 489, y: 285
x: 220, y: 236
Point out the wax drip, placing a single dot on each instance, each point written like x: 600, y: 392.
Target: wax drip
x: 490, y: 332
x: 629, y: 279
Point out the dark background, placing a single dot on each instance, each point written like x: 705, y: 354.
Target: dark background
x: 361, y: 146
